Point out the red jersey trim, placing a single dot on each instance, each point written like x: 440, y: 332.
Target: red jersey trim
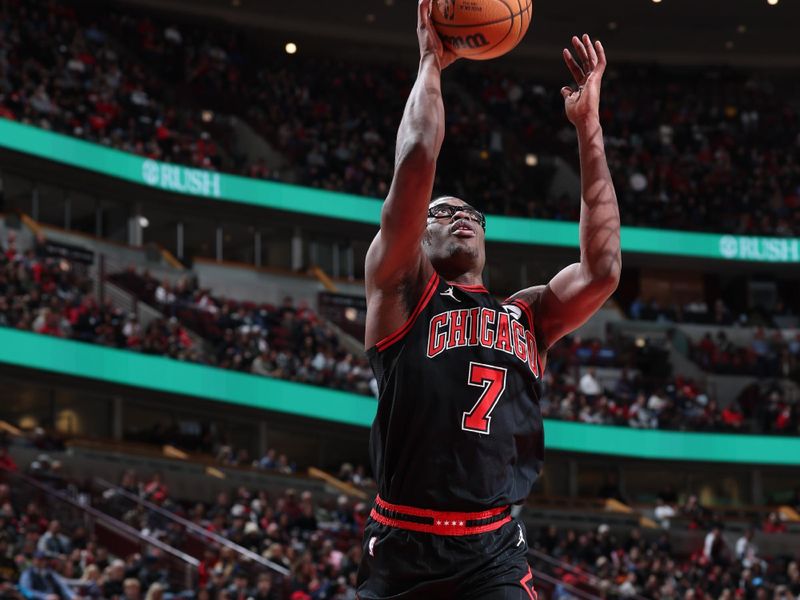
x: 451, y: 530
x: 525, y: 308
x: 476, y: 289
x: 436, y: 514
x: 390, y: 339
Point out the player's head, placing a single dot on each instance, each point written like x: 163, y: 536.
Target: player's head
x: 454, y: 239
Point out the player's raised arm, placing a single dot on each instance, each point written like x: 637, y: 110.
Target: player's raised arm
x: 395, y: 264
x: 579, y: 290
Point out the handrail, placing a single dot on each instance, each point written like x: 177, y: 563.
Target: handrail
x: 591, y: 578
x: 193, y: 527
x: 31, y: 224
x: 340, y: 485
x: 324, y: 279
x: 116, y: 524
x: 170, y: 259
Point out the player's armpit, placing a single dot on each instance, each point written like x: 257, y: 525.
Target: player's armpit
x: 396, y: 272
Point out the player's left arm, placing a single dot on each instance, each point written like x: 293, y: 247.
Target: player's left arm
x: 579, y: 290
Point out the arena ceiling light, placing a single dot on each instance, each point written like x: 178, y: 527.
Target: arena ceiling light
x: 772, y: 2
x: 291, y: 48
x: 531, y: 159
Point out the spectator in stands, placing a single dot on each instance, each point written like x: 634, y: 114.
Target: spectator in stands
x: 114, y: 578
x: 746, y: 549
x: 793, y: 577
x: 263, y: 364
x: 155, y: 591
x: 54, y: 543
x: 714, y: 548
x: 239, y: 589
x: 732, y: 418
x: 156, y: 490
x: 89, y: 584
x: 6, y: 461
x: 284, y: 466
x: 264, y: 589
x: 663, y: 513
x: 9, y: 571
x: 657, y: 403
x: 640, y: 416
x: 40, y: 582
x: 269, y: 460
x: 589, y: 385
x: 773, y: 524
x: 694, y: 511
x: 131, y: 589
x: 360, y: 477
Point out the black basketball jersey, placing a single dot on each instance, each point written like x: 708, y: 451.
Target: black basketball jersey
x: 458, y: 424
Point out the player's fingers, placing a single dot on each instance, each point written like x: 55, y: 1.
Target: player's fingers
x: 601, y: 56
x: 424, y: 13
x: 574, y: 68
x: 587, y: 42
x: 580, y: 51
x: 566, y: 92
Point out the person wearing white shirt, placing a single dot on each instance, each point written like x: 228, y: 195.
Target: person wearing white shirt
x: 746, y: 549
x: 589, y: 386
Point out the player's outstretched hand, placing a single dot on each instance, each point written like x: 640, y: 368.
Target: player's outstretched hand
x: 583, y: 104
x: 429, y: 42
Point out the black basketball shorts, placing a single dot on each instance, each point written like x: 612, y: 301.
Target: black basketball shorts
x: 419, y: 554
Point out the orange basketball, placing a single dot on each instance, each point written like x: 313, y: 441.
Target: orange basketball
x: 481, y: 29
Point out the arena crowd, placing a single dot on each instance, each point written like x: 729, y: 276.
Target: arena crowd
x: 54, y: 296
x: 318, y: 540
x: 713, y: 150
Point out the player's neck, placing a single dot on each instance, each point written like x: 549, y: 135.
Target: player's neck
x: 465, y: 279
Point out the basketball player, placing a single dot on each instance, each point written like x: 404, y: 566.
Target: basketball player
x: 458, y: 435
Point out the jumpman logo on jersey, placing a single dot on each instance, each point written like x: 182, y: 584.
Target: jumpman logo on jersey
x: 521, y: 537
x: 451, y: 293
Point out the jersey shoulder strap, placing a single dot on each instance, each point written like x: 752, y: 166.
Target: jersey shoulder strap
x: 524, y: 308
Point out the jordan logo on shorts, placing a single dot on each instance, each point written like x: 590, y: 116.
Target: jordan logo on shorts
x: 372, y: 541
x: 521, y: 537
x: 451, y: 293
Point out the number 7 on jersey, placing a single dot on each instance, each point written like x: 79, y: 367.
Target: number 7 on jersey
x: 493, y: 381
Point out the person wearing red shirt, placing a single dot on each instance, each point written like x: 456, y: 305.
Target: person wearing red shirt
x: 6, y: 462
x: 773, y: 524
x: 732, y: 417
